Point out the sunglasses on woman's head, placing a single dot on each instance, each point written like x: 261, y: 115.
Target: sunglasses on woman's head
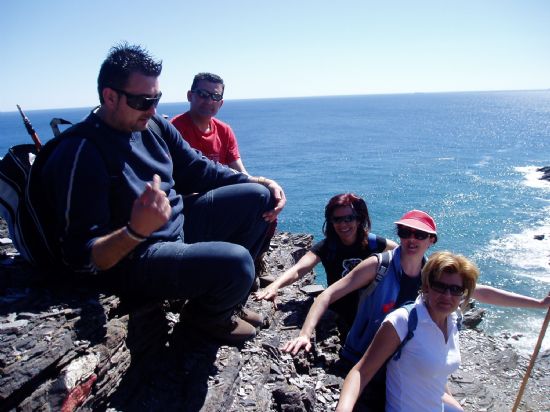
x: 405, y: 232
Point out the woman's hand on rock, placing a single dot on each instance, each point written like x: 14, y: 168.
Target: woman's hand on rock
x: 295, y: 345
x: 269, y: 293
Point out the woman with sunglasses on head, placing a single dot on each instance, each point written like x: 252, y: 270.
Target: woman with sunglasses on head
x: 347, y: 242
x: 417, y: 231
x: 417, y: 378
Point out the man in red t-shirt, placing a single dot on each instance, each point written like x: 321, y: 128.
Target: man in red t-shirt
x: 214, y: 138
x: 201, y: 130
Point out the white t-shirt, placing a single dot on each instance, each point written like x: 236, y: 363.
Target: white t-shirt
x: 416, y: 382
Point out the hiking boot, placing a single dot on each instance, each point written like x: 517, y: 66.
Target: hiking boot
x: 260, y: 265
x: 251, y: 317
x: 232, y: 331
x: 255, y: 285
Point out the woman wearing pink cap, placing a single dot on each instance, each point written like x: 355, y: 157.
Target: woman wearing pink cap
x: 401, y: 283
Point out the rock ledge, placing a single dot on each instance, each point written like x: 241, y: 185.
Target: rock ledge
x: 87, y: 351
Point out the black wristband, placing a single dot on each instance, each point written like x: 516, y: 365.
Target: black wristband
x: 135, y: 235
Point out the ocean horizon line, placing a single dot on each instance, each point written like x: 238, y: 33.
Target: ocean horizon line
x: 304, y: 97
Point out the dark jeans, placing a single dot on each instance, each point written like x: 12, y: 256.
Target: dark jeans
x: 212, y: 265
x: 230, y: 214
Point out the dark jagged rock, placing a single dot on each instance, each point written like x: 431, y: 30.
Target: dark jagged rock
x: 545, y: 172
x: 473, y: 318
x: 89, y: 351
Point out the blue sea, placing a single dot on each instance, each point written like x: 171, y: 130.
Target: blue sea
x: 469, y: 159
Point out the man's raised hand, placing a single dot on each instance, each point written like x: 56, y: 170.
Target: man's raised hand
x: 151, y: 210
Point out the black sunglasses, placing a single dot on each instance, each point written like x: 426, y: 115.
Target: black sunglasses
x: 345, y: 219
x: 204, y: 94
x: 139, y: 101
x: 441, y: 287
x: 405, y: 232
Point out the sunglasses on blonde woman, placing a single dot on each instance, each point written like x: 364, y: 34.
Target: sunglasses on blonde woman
x: 442, y: 288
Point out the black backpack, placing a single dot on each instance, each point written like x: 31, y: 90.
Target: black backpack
x: 24, y: 202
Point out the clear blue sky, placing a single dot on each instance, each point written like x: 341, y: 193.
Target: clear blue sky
x: 52, y: 49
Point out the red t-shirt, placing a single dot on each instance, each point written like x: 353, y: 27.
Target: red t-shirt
x: 219, y: 144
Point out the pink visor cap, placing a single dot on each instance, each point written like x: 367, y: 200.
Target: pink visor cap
x: 420, y: 220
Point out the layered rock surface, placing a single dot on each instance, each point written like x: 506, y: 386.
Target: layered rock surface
x: 86, y: 350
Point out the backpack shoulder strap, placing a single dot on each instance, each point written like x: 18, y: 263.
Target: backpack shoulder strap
x: 373, y: 244
x: 87, y: 131
x: 384, y: 260
x: 154, y: 125
x: 412, y: 323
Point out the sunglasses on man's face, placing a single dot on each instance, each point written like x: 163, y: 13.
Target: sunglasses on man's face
x: 205, y: 94
x: 343, y: 219
x: 139, y: 101
x: 405, y: 233
x: 442, y: 288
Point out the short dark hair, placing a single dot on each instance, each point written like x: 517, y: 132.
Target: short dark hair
x: 123, y: 60
x: 360, y: 209
x: 209, y: 77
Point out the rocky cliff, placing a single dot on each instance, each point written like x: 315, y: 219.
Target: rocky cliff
x: 80, y: 349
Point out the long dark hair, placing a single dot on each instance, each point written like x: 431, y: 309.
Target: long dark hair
x: 359, y: 207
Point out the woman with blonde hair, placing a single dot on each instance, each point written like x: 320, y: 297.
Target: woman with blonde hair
x: 417, y: 380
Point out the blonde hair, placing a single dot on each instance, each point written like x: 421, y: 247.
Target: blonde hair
x: 447, y: 262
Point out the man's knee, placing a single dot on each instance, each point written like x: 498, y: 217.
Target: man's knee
x: 238, y: 263
x: 266, y: 198
x: 255, y: 194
